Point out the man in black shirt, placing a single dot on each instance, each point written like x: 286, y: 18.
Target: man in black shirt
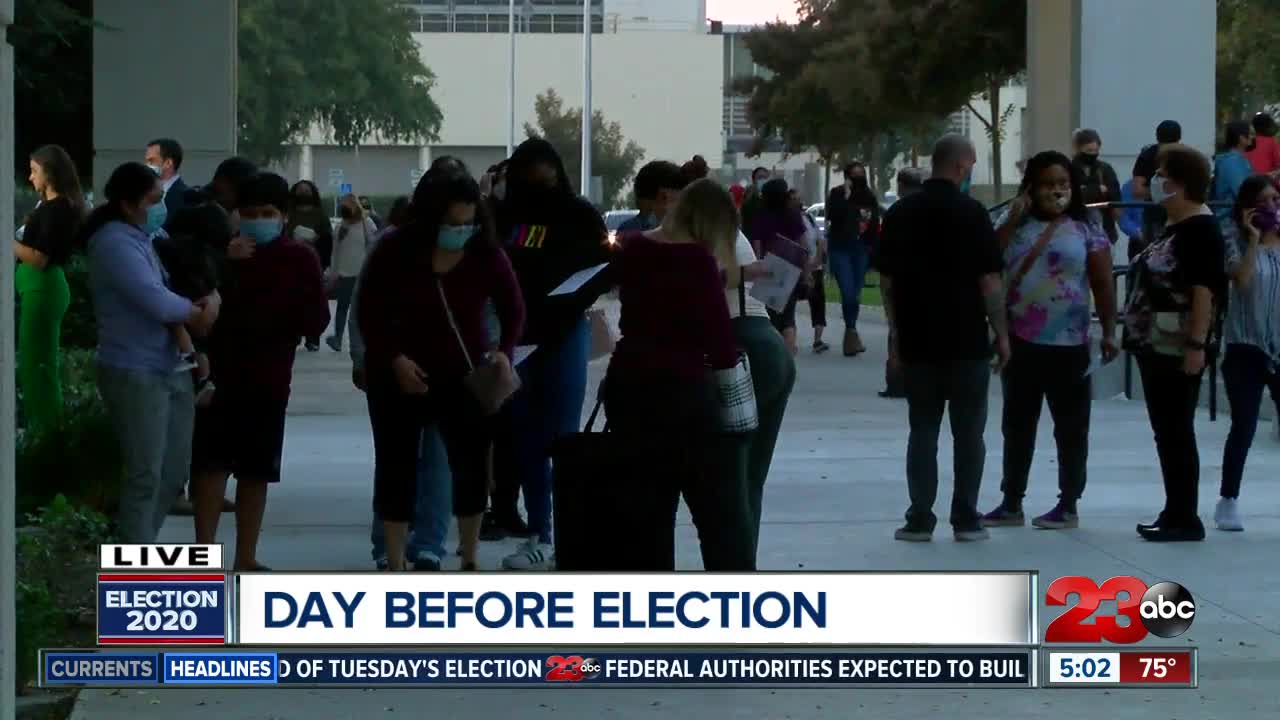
x: 940, y: 265
x: 1168, y: 133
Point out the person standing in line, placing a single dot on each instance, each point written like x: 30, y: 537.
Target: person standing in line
x: 940, y: 270
x: 1231, y: 166
x: 1179, y: 285
x: 910, y: 181
x: 422, y: 314
x: 366, y: 205
x: 853, y: 231
x: 151, y: 405
x: 45, y: 246
x: 430, y: 525
x: 777, y: 222
x: 751, y: 201
x: 656, y: 187
x: 1265, y: 155
x: 816, y: 244
x: 355, y: 234
x: 1251, y: 239
x: 1168, y: 132
x: 278, y: 296
x: 658, y: 391
x: 309, y: 223
x: 1056, y: 252
x: 164, y: 157
x: 550, y: 233
x: 1099, y: 180
x: 228, y: 178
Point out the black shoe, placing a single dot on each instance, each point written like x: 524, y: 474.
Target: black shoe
x: 313, y: 347
x: 892, y: 394
x: 469, y: 567
x: 913, y: 532
x: 491, y: 530
x: 426, y: 562
x: 1172, y: 533
x: 516, y: 527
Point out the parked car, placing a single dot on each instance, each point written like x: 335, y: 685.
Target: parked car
x: 818, y: 212
x: 614, y: 220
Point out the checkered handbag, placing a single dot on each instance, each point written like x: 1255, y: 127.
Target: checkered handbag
x: 736, y: 391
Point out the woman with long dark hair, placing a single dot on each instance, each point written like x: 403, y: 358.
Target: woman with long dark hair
x: 853, y: 232
x: 551, y: 233
x: 1056, y: 253
x: 309, y: 223
x: 775, y: 223
x: 43, y: 248
x: 422, y: 306
x: 151, y: 406
x: 1251, y: 239
x: 355, y: 235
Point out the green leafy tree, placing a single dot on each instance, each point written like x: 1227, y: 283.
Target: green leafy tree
x: 349, y: 66
x: 613, y: 157
x: 1248, y: 68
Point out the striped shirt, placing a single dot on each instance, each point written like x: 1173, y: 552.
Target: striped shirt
x: 1253, y: 311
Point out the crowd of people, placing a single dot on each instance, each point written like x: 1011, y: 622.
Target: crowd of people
x: 475, y: 366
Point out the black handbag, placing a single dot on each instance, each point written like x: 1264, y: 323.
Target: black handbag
x: 610, y: 514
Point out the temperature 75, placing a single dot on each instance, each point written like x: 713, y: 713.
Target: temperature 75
x: 1156, y: 667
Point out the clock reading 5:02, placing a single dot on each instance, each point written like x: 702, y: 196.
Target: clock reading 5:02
x: 1084, y: 667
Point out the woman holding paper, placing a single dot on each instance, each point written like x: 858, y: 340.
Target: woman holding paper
x: 659, y: 390
x: 779, y: 230
x: 1056, y: 252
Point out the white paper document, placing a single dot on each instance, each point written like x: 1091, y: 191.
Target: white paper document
x: 522, y: 353
x: 575, y: 281
x: 775, y: 290
x: 1095, y: 363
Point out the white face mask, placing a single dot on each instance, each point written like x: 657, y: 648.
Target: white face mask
x: 1158, y: 192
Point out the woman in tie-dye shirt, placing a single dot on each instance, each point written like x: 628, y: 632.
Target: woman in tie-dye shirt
x: 1056, y: 254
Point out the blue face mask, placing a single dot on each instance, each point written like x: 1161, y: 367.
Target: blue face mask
x: 967, y: 182
x: 760, y: 185
x: 262, y: 230
x: 455, y: 237
x: 156, y: 215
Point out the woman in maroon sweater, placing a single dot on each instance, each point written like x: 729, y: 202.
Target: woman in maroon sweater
x: 445, y: 261
x: 659, y: 389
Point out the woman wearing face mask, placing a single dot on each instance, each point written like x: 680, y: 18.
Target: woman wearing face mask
x: 1231, y: 166
x: 778, y: 222
x: 550, y: 234
x: 278, y: 296
x: 309, y: 223
x: 1179, y: 285
x: 816, y: 244
x: 151, y: 406
x: 1251, y: 330
x: 355, y: 235
x: 43, y: 248
x: 1055, y: 253
x: 853, y: 230
x: 422, y: 317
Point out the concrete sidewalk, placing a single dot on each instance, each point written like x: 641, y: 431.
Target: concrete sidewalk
x: 835, y: 495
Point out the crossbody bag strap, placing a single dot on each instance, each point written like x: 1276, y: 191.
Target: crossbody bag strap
x: 453, y: 324
x: 742, y: 292
x: 1036, y: 251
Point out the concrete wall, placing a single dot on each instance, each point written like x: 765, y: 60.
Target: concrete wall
x: 1120, y: 68
x: 151, y: 79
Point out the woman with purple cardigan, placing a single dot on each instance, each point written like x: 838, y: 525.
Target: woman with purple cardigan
x: 777, y: 222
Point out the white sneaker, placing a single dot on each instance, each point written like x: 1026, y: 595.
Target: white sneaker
x: 1227, y: 515
x: 532, y: 555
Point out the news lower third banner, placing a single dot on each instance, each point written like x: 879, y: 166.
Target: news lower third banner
x: 517, y: 668
x: 677, y: 609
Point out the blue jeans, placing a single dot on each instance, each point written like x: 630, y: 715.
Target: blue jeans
x: 549, y: 404
x: 849, y: 266
x: 431, y: 514
x: 1246, y: 370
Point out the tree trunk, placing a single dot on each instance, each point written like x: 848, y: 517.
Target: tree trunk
x: 826, y: 187
x: 997, y: 130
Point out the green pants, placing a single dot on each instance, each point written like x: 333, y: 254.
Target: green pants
x: 773, y: 374
x: 44, y: 297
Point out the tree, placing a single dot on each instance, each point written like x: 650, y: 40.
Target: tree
x: 1248, y: 68
x: 613, y: 157
x: 349, y: 66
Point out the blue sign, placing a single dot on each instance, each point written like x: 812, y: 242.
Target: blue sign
x: 220, y: 668
x: 162, y: 609
x: 345, y: 188
x: 83, y: 668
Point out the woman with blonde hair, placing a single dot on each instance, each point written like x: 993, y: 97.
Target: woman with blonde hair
x: 355, y: 237
x: 659, y: 390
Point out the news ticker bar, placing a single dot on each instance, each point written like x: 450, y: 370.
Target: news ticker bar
x: 522, y: 668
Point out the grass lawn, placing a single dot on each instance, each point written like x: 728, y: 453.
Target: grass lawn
x: 870, y: 292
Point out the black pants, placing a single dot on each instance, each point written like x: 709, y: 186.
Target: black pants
x: 675, y: 418
x: 504, y: 501
x: 1039, y: 374
x: 894, y: 385
x: 786, y: 320
x: 1246, y: 370
x: 1172, y: 397
x: 958, y: 388
x: 818, y: 300
x: 398, y: 421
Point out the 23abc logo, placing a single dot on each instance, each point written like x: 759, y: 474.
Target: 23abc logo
x: 1165, y: 610
x: 571, y: 668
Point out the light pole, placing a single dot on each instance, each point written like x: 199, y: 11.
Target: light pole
x: 511, y: 78
x: 586, y: 98
x: 8, y: 490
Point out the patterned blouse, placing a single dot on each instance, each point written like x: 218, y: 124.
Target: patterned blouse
x: 1253, y: 311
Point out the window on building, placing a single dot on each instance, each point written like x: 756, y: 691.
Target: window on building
x: 540, y: 24
x: 470, y: 23
x: 566, y: 23
x: 960, y: 122
x: 434, y: 22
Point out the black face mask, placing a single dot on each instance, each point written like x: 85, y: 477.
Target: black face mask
x: 1088, y: 158
x: 858, y: 183
x: 347, y: 213
x: 305, y: 200
x: 1251, y: 146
